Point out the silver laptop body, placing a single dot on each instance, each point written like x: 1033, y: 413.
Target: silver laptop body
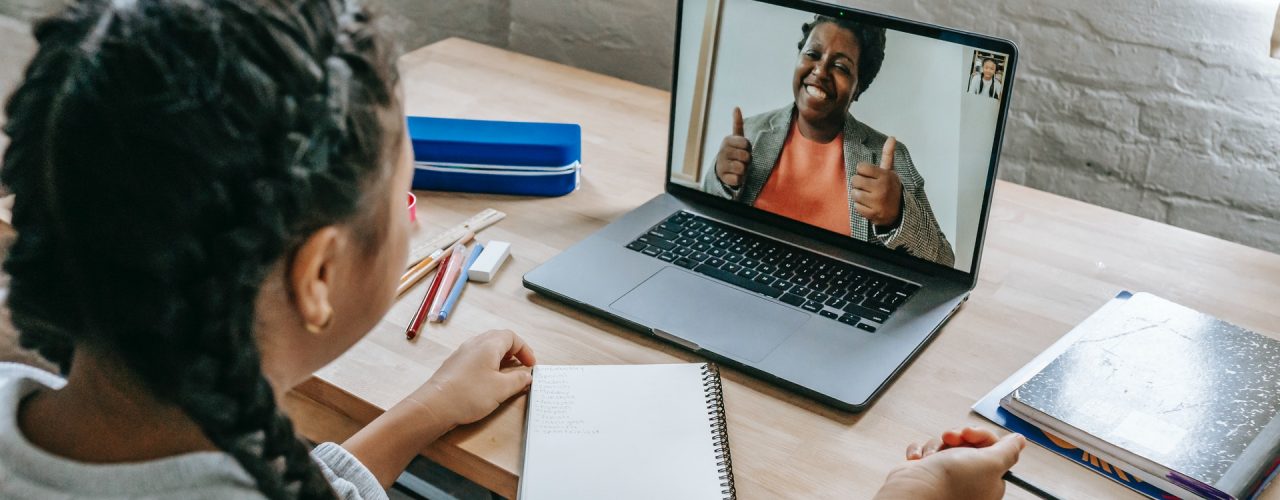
x: 639, y: 270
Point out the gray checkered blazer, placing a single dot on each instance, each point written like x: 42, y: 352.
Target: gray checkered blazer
x: 918, y: 234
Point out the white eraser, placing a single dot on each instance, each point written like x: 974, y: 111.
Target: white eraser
x: 490, y: 259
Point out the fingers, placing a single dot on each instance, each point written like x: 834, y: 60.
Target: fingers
x: 932, y: 446
x: 737, y: 142
x: 886, y: 155
x: 1006, y: 449
x: 869, y: 171
x: 953, y: 438
x: 978, y: 437
x: 738, y: 155
x: 510, y: 346
x: 737, y: 122
x: 913, y: 451
x: 516, y: 380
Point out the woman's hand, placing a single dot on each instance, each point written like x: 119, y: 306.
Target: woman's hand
x: 877, y: 190
x: 485, y: 371
x: 964, y: 463
x: 734, y: 155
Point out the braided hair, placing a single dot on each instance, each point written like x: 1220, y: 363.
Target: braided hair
x: 166, y: 154
x: 871, y: 41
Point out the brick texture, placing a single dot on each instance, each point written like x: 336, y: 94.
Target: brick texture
x: 1169, y: 110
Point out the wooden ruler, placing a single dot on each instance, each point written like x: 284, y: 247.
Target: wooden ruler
x: 439, y: 241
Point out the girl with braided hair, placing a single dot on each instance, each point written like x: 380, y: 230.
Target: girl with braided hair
x: 209, y: 207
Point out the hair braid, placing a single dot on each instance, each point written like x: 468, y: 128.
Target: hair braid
x: 166, y: 154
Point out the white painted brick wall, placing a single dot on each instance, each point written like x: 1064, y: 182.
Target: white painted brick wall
x: 1168, y: 109
x: 1165, y: 109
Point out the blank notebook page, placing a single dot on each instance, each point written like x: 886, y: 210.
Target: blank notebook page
x: 622, y: 432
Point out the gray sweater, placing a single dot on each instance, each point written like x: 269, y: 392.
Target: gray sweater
x: 30, y: 472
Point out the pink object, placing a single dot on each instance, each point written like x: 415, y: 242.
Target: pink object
x: 413, y: 207
x: 451, y: 273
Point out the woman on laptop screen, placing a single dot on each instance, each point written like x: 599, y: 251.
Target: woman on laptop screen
x: 814, y: 162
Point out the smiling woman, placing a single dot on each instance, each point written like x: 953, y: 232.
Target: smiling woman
x: 814, y: 162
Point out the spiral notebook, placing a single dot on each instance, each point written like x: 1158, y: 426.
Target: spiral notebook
x: 626, y: 432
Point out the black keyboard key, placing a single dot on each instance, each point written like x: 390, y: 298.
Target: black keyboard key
x: 793, y: 299
x: 701, y: 247
x: 756, y: 254
x: 696, y: 223
x: 731, y: 267
x: 667, y: 257
x: 714, y: 262
x: 867, y: 327
x: 828, y: 314
x: 749, y: 273
x: 802, y: 291
x: 836, y: 302
x: 767, y: 268
x: 663, y: 234
x: 819, y: 296
x: 870, y: 314
x: 738, y: 281
x: 750, y: 263
x: 673, y: 227
x: 699, y: 256
x: 683, y: 251
x: 663, y: 244
x: 766, y: 279
x: 686, y: 263
x: 636, y: 245
x: 733, y: 257
x: 722, y: 244
x: 812, y: 306
x: 652, y: 252
x: 717, y: 252
x: 685, y: 242
x: 849, y: 319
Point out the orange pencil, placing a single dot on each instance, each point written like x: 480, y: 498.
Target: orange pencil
x: 412, y: 276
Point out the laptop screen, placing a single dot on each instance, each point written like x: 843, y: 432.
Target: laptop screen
x: 838, y: 122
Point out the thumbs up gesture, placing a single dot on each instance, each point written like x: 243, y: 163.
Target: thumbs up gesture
x: 877, y: 189
x: 734, y: 155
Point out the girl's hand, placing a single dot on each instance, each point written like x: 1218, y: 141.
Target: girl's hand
x: 485, y: 371
x: 963, y: 463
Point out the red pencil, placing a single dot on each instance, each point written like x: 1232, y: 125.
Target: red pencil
x: 418, y: 318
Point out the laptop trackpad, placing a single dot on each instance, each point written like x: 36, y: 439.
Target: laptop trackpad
x: 713, y: 315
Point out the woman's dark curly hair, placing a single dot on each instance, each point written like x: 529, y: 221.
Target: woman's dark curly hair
x: 165, y: 155
x: 870, y: 47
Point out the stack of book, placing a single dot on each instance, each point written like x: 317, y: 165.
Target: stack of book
x: 1179, y: 400
x: 522, y: 158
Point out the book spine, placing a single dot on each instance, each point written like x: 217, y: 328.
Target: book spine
x: 719, y: 429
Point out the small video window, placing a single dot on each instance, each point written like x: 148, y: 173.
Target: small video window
x: 986, y: 76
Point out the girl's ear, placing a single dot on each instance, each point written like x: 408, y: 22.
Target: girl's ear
x: 311, y: 278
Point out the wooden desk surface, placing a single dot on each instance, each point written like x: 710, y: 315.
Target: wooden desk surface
x: 1049, y: 263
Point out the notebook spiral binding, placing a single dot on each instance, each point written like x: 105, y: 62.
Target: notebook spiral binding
x: 719, y: 428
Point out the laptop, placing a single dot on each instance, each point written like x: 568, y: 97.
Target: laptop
x: 795, y: 240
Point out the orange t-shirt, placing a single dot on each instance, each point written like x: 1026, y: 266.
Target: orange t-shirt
x: 808, y: 184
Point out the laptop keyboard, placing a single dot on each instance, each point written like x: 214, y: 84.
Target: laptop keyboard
x: 835, y: 290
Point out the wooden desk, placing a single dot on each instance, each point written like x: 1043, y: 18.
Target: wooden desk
x: 1049, y: 263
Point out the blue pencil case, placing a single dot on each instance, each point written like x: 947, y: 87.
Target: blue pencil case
x: 480, y: 156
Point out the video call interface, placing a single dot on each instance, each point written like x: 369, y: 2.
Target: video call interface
x: 876, y: 134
